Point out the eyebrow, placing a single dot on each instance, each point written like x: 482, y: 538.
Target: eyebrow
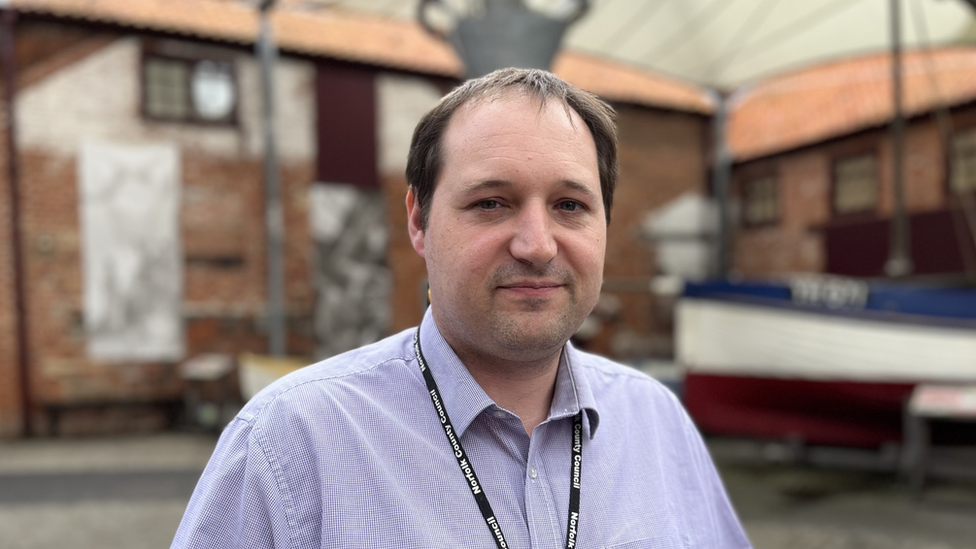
x: 570, y: 184
x: 487, y: 184
x: 581, y: 188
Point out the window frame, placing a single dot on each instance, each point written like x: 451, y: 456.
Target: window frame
x: 950, y: 162
x: 866, y: 213
x: 189, y: 54
x: 744, y: 193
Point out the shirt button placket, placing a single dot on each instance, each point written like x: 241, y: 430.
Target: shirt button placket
x: 544, y: 530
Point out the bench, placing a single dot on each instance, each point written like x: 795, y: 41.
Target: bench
x: 930, y: 403
x: 56, y: 409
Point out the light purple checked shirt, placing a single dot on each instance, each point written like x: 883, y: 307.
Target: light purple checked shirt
x: 350, y: 453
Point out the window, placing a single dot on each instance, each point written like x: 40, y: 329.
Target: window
x: 855, y: 184
x: 183, y: 89
x: 759, y: 201
x: 963, y: 175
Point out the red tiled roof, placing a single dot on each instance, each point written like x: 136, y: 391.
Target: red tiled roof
x: 325, y: 32
x: 630, y: 84
x: 361, y: 38
x: 838, y: 98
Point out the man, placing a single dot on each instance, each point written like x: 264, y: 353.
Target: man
x: 484, y: 427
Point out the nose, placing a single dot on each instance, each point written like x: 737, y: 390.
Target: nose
x: 534, y: 242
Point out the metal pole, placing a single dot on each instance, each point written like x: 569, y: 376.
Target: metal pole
x: 274, y: 218
x: 16, y: 247
x: 721, y: 176
x: 899, y: 259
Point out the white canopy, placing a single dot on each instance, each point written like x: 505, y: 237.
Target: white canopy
x: 726, y: 43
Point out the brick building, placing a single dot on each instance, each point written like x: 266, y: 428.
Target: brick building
x: 813, y: 168
x: 138, y: 153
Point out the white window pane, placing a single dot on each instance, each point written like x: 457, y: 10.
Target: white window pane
x: 963, y: 176
x: 213, y: 90
x: 856, y: 186
x: 760, y: 201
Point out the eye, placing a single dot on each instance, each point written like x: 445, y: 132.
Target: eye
x: 486, y: 204
x: 570, y: 206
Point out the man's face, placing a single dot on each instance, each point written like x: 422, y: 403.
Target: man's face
x: 516, y: 231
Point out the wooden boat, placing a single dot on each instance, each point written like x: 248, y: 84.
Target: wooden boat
x: 820, y: 360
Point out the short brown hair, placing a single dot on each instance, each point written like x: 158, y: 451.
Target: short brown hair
x: 425, y: 160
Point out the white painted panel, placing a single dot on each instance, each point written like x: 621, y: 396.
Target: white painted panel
x: 735, y: 339
x: 295, y: 118
x: 132, y: 261
x: 98, y: 98
x: 403, y: 101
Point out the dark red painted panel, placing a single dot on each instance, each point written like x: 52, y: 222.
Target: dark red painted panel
x: 938, y: 239
x: 346, y: 125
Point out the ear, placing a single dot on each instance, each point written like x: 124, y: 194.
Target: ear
x: 413, y: 222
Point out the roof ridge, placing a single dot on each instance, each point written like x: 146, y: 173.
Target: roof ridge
x: 363, y: 38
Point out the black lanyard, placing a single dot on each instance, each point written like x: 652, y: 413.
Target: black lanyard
x: 572, y: 529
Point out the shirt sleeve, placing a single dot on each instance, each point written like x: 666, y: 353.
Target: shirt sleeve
x: 241, y: 500
x: 718, y: 519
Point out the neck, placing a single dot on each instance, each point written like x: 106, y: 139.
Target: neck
x: 522, y: 388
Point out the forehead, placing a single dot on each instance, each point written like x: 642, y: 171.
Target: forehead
x: 548, y: 128
x: 518, y: 104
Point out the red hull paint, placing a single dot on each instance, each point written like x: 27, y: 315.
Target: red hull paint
x: 858, y: 414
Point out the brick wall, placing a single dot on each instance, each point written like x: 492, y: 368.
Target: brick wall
x: 788, y: 245
x: 10, y: 403
x: 662, y: 156
x: 795, y: 243
x: 409, y: 270
x: 223, y: 302
x: 63, y: 103
x: 401, y: 101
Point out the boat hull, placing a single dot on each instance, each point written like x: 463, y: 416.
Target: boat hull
x: 836, y: 413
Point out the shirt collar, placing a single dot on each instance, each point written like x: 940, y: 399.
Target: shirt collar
x: 573, y: 391
x: 465, y: 399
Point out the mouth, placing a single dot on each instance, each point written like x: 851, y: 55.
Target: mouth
x: 531, y: 288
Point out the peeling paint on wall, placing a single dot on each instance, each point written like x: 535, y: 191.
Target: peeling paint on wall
x: 132, y: 267
x: 352, y: 280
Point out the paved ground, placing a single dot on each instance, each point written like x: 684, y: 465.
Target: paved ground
x: 106, y: 493
x: 130, y: 493
x: 844, y: 507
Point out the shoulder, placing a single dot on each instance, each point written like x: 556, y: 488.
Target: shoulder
x: 607, y: 378
x: 633, y: 401
x: 323, y: 382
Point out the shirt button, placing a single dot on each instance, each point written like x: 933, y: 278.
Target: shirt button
x: 532, y: 472
x: 500, y: 414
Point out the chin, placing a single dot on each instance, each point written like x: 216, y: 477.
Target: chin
x: 535, y: 334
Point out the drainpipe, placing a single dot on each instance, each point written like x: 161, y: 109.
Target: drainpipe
x: 9, y: 23
x: 721, y: 178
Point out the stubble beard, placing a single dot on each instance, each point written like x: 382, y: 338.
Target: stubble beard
x: 520, y: 340
x: 535, y: 329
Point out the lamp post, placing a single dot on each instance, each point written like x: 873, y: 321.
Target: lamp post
x: 273, y: 215
x: 899, y: 262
